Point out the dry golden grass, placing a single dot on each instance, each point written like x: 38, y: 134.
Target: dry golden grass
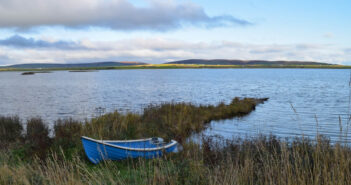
x: 36, y: 159
x: 258, y: 161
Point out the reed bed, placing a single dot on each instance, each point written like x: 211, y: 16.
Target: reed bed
x: 264, y: 160
x: 32, y: 157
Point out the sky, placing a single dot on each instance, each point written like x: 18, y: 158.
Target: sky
x: 158, y: 31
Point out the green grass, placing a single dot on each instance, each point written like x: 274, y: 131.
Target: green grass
x: 168, y: 120
x: 35, y: 158
x: 185, y: 66
x: 264, y: 160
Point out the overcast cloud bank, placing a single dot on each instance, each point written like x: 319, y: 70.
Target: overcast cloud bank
x: 159, y: 50
x: 159, y: 15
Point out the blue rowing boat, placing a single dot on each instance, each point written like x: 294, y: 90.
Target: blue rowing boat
x: 98, y: 150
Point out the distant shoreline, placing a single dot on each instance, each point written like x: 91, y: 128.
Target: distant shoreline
x: 182, y: 66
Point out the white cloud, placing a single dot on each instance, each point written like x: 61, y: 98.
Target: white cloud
x: 18, y: 41
x: 328, y: 35
x: 115, y: 14
x: 159, y: 50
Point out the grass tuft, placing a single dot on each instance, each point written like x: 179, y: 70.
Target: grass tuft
x: 37, y: 138
x: 10, y: 130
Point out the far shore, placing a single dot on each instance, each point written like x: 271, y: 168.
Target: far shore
x: 180, y: 66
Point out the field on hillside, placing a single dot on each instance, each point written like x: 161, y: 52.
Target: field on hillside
x: 185, y: 66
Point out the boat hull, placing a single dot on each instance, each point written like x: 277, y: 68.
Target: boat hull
x: 98, y: 151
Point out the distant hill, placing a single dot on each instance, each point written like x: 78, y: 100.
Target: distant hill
x: 78, y: 65
x: 243, y: 62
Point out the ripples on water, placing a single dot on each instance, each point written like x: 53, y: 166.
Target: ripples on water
x: 321, y: 93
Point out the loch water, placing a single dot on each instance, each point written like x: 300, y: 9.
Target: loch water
x: 301, y: 101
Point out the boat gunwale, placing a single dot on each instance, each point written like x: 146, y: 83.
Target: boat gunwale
x: 103, y: 142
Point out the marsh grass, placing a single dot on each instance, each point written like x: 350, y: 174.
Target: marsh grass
x: 168, y: 120
x: 262, y: 160
x: 10, y: 130
x: 36, y: 140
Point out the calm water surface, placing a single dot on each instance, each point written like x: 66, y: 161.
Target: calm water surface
x: 314, y: 93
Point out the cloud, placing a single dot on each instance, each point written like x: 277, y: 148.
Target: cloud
x: 3, y: 60
x: 159, y: 15
x: 159, y: 50
x: 328, y: 35
x: 266, y: 50
x: 18, y: 41
x: 310, y: 46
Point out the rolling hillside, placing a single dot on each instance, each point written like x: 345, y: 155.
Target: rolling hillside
x: 243, y: 62
x: 78, y: 65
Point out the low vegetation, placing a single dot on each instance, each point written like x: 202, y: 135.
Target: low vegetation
x: 77, y: 71
x: 28, y: 73
x: 34, y: 72
x: 10, y: 130
x: 32, y: 157
x: 169, y: 120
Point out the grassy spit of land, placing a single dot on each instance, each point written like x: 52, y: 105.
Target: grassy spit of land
x: 185, y: 66
x: 32, y: 157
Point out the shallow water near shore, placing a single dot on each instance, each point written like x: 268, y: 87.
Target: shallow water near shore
x: 315, y: 94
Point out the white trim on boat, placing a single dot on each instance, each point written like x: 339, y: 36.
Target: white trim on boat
x: 172, y: 143
x: 122, y: 141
